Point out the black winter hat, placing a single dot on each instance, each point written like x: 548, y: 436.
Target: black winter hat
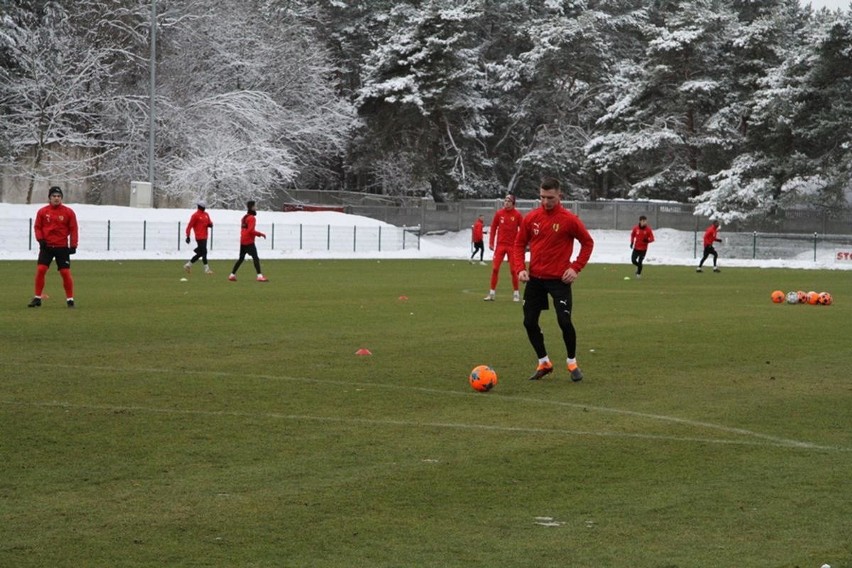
x: 55, y: 189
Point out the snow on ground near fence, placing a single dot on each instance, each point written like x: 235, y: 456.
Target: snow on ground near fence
x: 671, y: 247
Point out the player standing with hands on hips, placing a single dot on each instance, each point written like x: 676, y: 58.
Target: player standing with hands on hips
x: 504, y: 229
x: 55, y: 230
x: 711, y: 235
x: 550, y: 232
x: 640, y: 237
x: 247, y: 246
x: 200, y: 223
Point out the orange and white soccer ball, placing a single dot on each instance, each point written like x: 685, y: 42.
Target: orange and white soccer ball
x: 812, y: 298
x: 483, y: 378
x: 778, y: 297
x: 824, y: 299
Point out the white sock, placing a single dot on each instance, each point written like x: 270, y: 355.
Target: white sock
x: 544, y: 359
x: 572, y: 361
x: 491, y: 292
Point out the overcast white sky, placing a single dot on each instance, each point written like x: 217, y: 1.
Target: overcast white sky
x: 830, y: 4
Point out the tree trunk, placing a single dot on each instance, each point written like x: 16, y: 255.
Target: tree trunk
x: 36, y: 164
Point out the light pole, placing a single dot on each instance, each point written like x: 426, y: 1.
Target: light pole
x: 153, y: 91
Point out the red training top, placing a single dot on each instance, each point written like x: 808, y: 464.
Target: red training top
x: 710, y: 235
x: 640, y: 237
x: 504, y: 227
x: 476, y: 235
x: 55, y: 225
x: 247, y: 232
x: 550, y: 236
x: 200, y: 222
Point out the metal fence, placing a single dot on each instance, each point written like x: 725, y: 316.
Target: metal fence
x: 775, y: 246
x: 616, y: 215
x: 16, y: 235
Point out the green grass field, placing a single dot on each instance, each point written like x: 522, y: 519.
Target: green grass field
x: 209, y: 423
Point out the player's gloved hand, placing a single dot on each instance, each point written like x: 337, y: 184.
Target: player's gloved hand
x: 631, y: 245
x: 72, y: 250
x: 187, y: 240
x: 262, y: 235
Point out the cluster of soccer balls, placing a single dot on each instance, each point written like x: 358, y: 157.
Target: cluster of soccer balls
x: 799, y: 297
x: 483, y: 378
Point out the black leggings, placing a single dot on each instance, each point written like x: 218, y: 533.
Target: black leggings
x: 478, y: 246
x: 536, y: 301
x: 200, y: 252
x: 250, y: 250
x: 708, y: 251
x: 636, y: 258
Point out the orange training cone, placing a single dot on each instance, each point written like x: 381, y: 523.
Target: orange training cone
x: 363, y: 351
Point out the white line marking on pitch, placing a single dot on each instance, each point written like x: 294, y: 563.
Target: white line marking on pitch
x: 774, y: 440
x: 409, y: 424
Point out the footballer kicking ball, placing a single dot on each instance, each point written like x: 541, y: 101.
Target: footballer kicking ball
x: 778, y: 296
x: 483, y: 378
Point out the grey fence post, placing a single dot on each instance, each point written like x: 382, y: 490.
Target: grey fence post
x: 754, y: 246
x: 815, y: 246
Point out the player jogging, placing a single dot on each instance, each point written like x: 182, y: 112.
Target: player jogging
x: 504, y: 229
x: 640, y: 237
x: 711, y: 235
x: 200, y: 223
x: 476, y: 237
x: 247, y: 246
x: 550, y: 232
x: 55, y: 230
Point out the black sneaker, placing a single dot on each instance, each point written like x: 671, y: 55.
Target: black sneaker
x: 34, y: 303
x: 69, y: 303
x: 541, y: 371
x: 576, y: 373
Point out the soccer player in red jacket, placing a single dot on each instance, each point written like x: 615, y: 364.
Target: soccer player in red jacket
x: 504, y: 229
x: 200, y: 223
x: 711, y: 235
x: 247, y: 246
x: 550, y: 232
x: 476, y: 237
x: 640, y: 237
x: 55, y: 230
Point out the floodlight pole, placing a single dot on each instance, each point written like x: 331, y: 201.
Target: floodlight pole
x: 153, y: 91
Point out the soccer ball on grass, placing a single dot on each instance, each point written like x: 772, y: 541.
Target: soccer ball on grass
x: 483, y: 378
